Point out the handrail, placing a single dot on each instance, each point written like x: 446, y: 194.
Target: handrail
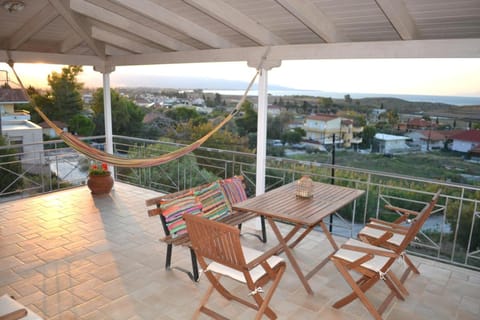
x: 451, y: 235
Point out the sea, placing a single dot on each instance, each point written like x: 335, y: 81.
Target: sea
x: 453, y: 100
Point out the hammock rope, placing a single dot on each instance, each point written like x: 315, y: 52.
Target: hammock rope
x: 95, y: 154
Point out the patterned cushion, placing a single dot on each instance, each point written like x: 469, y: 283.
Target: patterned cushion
x: 214, y: 204
x: 234, y: 189
x: 174, y: 209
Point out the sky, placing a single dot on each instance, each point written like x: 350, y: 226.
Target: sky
x: 443, y: 77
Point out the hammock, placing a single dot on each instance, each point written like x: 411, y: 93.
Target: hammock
x: 118, y: 161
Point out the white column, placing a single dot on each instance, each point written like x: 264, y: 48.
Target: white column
x: 263, y: 65
x: 107, y: 109
x: 262, y: 131
x: 262, y: 125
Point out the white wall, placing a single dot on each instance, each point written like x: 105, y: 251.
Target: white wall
x: 462, y: 146
x: 30, y: 135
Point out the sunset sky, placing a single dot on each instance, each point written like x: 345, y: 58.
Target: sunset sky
x: 449, y: 77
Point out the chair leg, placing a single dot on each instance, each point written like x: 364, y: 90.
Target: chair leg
x: 264, y: 229
x: 204, y: 300
x: 359, y: 293
x: 410, y: 267
x: 264, y: 306
x: 214, y: 280
x: 398, y: 283
x: 168, y: 257
x: 364, y: 283
x: 195, y: 274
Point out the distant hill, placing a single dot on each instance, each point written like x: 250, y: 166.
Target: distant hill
x: 404, y: 106
x: 427, y: 108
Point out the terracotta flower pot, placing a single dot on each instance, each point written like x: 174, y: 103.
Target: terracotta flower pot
x: 100, y: 184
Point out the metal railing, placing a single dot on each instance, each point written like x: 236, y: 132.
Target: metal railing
x: 451, y: 235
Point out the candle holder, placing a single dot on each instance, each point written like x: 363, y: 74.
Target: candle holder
x: 304, y: 187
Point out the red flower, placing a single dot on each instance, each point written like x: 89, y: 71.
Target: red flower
x: 96, y: 170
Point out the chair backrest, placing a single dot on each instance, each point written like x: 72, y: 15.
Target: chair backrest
x: 420, y: 219
x: 216, y: 241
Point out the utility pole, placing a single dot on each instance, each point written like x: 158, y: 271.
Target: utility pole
x: 332, y: 177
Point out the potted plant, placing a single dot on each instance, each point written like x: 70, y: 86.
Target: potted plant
x: 100, y: 179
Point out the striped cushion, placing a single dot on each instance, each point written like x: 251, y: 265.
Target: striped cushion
x: 234, y: 189
x: 174, y: 209
x: 214, y: 204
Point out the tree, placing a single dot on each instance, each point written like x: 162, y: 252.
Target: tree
x: 218, y: 99
x: 348, y: 99
x: 184, y: 114
x: 368, y: 136
x: 327, y: 102
x: 293, y: 136
x: 81, y: 125
x: 127, y: 117
x: 276, y: 126
x: 248, y: 123
x: 64, y: 101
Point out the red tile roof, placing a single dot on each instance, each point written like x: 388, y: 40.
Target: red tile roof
x: 434, y: 135
x: 468, y: 135
x: 12, y: 96
x: 322, y: 117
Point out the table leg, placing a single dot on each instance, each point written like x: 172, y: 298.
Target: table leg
x: 290, y: 256
x: 324, y: 261
x: 328, y: 235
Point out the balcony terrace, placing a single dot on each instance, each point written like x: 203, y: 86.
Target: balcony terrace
x: 68, y: 255
x: 71, y: 255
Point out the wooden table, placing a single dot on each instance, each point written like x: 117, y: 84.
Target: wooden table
x: 282, y: 205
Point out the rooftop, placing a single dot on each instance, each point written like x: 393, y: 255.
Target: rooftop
x: 12, y: 96
x: 120, y: 32
x: 71, y: 255
x: 467, y: 135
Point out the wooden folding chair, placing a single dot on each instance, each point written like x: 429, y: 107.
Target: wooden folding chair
x: 396, y: 236
x: 373, y: 264
x: 220, y: 245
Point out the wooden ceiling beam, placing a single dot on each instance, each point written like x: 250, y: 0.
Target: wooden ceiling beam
x: 98, y: 13
x: 238, y: 21
x: 34, y: 25
x: 312, y: 17
x: 79, y: 25
x: 399, y: 17
x: 171, y: 19
x: 122, y: 42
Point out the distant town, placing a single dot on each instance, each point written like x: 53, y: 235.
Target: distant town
x: 401, y: 126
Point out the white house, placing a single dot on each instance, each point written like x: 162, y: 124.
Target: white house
x: 49, y: 131
x: 375, y: 114
x: 274, y: 110
x: 17, y: 127
x: 465, y: 141
x: 427, y: 139
x: 388, y: 143
x: 322, y: 127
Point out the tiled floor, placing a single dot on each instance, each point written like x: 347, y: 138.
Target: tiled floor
x: 71, y: 255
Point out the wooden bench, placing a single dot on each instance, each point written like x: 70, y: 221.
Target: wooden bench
x: 205, y: 200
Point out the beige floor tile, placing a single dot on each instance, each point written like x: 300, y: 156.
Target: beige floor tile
x: 71, y: 255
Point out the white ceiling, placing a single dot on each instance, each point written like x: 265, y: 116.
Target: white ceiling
x: 108, y: 33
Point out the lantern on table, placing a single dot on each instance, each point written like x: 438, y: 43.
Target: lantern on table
x: 304, y: 187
